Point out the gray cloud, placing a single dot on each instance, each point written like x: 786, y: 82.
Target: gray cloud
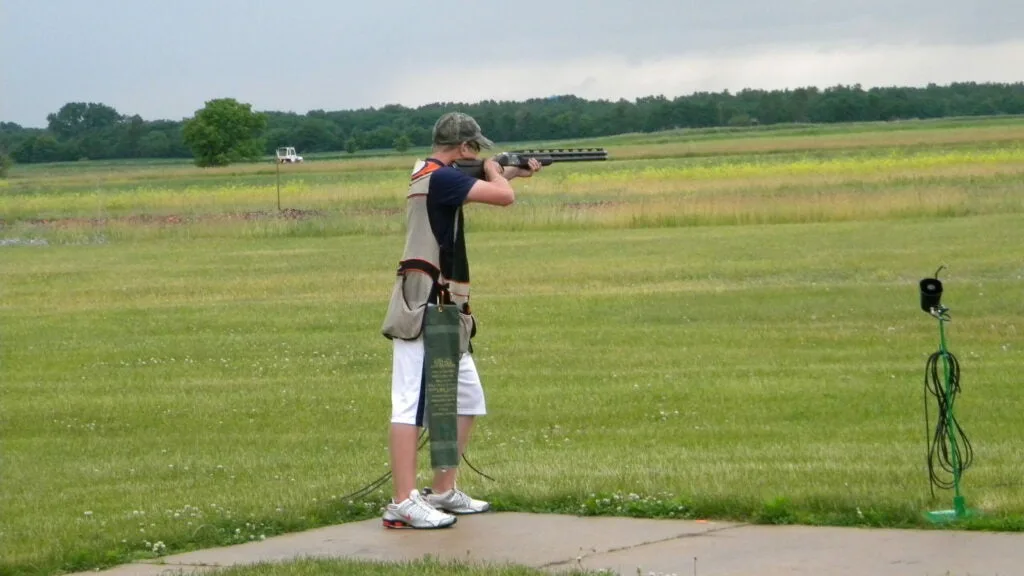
x: 163, y: 59
x: 671, y: 27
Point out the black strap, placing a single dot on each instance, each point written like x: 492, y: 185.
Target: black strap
x: 435, y: 274
x: 421, y: 265
x: 449, y: 260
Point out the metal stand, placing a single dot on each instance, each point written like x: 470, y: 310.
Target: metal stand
x: 955, y: 459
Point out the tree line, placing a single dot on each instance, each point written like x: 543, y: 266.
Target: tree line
x: 88, y: 130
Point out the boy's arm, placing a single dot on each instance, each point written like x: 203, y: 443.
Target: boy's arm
x: 495, y: 189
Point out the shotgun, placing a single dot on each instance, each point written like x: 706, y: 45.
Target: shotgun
x: 521, y: 158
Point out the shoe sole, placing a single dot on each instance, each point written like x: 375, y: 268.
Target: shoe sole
x: 465, y: 512
x: 399, y: 525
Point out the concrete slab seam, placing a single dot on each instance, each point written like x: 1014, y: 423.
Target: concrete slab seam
x: 642, y: 544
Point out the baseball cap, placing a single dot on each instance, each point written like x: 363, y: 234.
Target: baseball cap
x: 455, y: 128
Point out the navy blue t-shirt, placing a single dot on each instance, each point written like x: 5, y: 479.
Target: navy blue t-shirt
x: 446, y: 193
x: 449, y: 186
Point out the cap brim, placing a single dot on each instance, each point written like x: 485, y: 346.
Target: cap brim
x: 483, y: 141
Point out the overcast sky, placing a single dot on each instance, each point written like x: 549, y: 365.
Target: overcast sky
x: 165, y: 58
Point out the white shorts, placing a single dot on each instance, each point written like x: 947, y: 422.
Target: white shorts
x: 407, y: 394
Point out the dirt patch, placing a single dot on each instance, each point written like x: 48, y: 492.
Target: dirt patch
x: 597, y: 204
x: 376, y: 211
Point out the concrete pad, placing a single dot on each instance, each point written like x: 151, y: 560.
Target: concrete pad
x: 558, y: 543
x: 531, y: 539
x: 796, y: 550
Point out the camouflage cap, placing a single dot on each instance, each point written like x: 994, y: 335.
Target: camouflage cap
x: 455, y: 128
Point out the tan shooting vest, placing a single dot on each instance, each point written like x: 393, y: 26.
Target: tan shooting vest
x: 420, y: 279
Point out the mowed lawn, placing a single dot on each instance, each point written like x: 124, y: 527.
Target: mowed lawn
x: 165, y: 394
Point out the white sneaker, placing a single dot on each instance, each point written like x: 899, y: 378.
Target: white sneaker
x: 415, y: 512
x: 455, y: 501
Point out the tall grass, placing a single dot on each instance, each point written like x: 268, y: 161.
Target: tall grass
x: 620, y: 193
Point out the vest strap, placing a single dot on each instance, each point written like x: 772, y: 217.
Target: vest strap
x: 438, y: 289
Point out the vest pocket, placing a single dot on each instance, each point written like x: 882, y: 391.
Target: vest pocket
x: 408, y: 304
x: 467, y: 329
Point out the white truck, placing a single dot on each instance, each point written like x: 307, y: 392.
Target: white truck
x: 287, y: 155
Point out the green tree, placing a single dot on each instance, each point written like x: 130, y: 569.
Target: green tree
x: 224, y: 131
x: 5, y: 164
x: 402, y: 143
x: 74, y: 119
x: 314, y: 135
x: 94, y: 130
x: 43, y: 148
x: 154, y: 145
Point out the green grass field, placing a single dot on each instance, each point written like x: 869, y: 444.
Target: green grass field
x: 711, y: 325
